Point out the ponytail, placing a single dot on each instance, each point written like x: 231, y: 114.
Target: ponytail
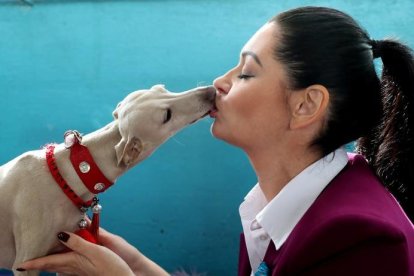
x: 389, y: 147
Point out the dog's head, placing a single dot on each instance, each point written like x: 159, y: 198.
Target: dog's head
x: 147, y: 118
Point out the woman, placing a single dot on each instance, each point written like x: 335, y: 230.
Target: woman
x: 305, y: 86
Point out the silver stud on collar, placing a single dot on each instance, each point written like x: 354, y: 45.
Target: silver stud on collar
x: 99, y: 186
x: 84, y: 167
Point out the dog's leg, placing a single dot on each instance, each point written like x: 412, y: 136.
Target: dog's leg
x: 29, y: 246
x: 20, y: 258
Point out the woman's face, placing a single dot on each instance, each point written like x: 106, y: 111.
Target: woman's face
x: 252, y: 98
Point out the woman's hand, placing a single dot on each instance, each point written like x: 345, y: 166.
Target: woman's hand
x: 114, y: 256
x: 122, y: 248
x: 86, y: 259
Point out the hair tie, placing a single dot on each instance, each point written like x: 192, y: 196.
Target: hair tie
x: 376, y: 48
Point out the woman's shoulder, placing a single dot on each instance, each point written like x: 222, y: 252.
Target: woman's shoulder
x: 349, y: 242
x: 351, y: 229
x: 354, y: 208
x: 356, y: 192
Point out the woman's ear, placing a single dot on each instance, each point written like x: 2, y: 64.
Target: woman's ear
x: 308, y: 106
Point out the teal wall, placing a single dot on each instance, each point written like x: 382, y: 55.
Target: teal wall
x: 66, y: 64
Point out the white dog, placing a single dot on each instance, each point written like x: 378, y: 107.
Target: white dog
x: 33, y: 208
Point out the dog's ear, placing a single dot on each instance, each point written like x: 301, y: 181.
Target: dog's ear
x: 159, y: 87
x: 127, y: 152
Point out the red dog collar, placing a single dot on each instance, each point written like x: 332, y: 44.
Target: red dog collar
x: 51, y: 163
x: 84, y: 165
x: 91, y: 176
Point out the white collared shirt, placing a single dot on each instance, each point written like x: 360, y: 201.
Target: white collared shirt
x: 263, y: 221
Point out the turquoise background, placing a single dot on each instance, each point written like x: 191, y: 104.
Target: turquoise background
x: 66, y: 64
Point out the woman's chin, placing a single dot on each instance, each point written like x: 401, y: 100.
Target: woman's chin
x: 218, y: 132
x: 214, y: 130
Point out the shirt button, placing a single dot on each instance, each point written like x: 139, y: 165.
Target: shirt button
x: 255, y: 225
x: 263, y: 237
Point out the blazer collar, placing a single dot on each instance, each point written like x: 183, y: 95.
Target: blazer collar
x: 283, y: 212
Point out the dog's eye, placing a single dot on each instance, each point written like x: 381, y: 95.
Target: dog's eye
x: 167, y: 115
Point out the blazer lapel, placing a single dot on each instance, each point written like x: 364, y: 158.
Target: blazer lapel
x: 271, y: 257
x: 244, y: 263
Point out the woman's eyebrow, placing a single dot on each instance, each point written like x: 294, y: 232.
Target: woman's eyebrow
x: 253, y: 55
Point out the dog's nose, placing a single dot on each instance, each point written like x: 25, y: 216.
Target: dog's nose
x: 210, y: 93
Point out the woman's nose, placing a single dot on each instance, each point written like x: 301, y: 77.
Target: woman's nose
x: 222, y: 84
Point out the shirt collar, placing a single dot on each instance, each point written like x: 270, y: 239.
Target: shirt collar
x: 283, y: 212
x: 253, y: 203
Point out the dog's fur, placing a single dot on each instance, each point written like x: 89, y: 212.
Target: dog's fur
x: 33, y: 208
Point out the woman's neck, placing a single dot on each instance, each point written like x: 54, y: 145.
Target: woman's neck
x: 275, y: 167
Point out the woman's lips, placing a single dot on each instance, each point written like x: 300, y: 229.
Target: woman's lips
x: 213, y: 112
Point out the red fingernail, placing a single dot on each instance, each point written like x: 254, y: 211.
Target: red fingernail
x: 20, y: 269
x: 63, y: 236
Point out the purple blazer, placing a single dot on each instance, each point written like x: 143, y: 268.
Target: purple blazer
x: 355, y: 227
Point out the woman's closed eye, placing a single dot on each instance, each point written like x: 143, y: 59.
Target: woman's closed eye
x: 245, y: 76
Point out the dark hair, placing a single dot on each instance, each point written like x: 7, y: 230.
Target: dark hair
x: 324, y: 46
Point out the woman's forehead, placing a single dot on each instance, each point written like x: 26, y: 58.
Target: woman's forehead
x: 262, y: 42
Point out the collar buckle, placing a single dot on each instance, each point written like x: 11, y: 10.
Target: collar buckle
x: 72, y: 137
